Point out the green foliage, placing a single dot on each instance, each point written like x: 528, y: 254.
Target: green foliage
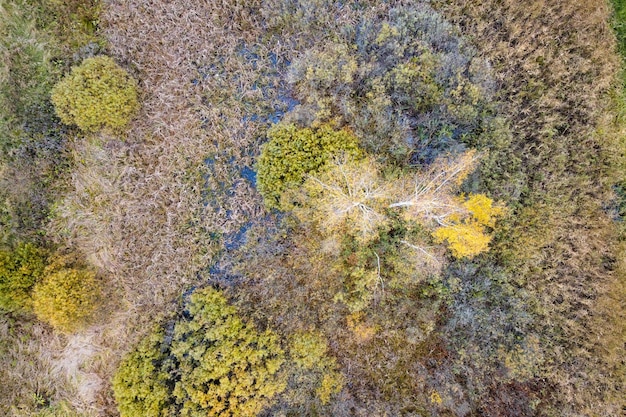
x: 140, y: 384
x: 60, y: 409
x: 96, y: 94
x: 20, y: 269
x: 309, y: 352
x: 293, y: 152
x: 36, y: 39
x: 27, y: 71
x: 67, y: 297
x: 619, y: 25
x: 214, y: 365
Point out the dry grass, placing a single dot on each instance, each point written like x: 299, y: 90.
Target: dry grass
x: 148, y: 209
x: 557, y: 69
x: 40, y: 369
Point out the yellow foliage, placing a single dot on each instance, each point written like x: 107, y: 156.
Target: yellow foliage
x: 465, y: 240
x: 97, y: 94
x: 435, y: 398
x: 67, y: 297
x: 483, y: 210
x: 468, y: 237
x: 362, y: 332
x: 331, y: 384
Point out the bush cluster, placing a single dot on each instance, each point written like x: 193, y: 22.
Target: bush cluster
x: 407, y: 84
x: 96, y: 94
x: 213, y: 364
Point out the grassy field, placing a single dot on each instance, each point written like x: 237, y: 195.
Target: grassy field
x: 533, y: 327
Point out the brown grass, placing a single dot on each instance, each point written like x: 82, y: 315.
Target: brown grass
x: 557, y: 69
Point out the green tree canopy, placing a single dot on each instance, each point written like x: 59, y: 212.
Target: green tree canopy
x: 215, y: 365
x: 96, y: 94
x: 293, y: 152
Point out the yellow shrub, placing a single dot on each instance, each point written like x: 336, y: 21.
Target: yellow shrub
x: 67, y: 297
x: 95, y: 95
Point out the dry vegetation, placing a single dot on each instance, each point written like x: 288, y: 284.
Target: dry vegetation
x: 558, y: 74
x: 536, y: 327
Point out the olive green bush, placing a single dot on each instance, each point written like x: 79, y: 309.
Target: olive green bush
x: 141, y: 382
x: 67, y: 296
x: 293, y: 152
x: 20, y: 269
x: 96, y: 94
x: 211, y: 364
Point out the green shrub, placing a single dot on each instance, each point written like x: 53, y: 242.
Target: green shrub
x: 291, y: 153
x: 309, y: 353
x: 97, y: 94
x: 140, y: 384
x: 213, y: 365
x: 20, y: 269
x: 67, y: 297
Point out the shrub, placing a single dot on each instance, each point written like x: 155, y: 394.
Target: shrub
x: 20, y: 269
x: 67, y: 297
x: 97, y: 94
x: 292, y: 152
x: 309, y: 352
x: 214, y: 365
x: 140, y: 384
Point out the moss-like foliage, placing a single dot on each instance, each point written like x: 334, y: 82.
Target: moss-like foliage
x: 293, y: 152
x: 141, y: 382
x: 95, y: 95
x: 214, y: 365
x: 67, y: 297
x: 20, y: 269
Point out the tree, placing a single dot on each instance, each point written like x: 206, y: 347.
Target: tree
x: 352, y: 197
x: 430, y: 195
x: 349, y: 196
x: 96, y: 94
x: 292, y: 153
